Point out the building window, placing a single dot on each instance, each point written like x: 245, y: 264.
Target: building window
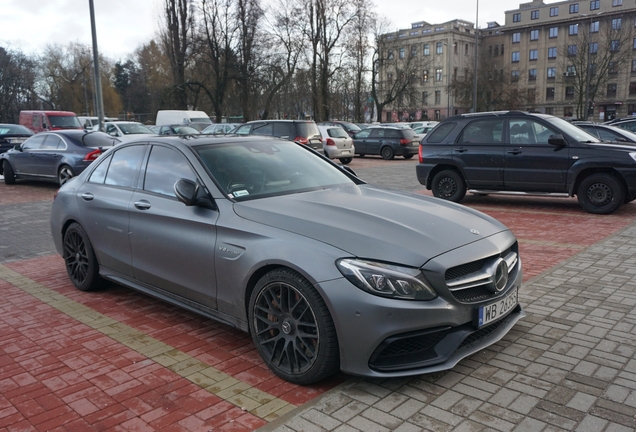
x: 595, y: 4
x: 534, y: 35
x: 554, y: 32
x: 632, y: 88
x: 427, y: 50
x: 549, y: 93
x: 574, y: 29
x: 617, y: 3
x: 401, y: 53
x: 425, y: 76
x: 413, y: 51
x: 594, y: 26
x: 390, y: 55
x: 574, y: 8
x: 534, y: 14
x: 532, y: 75
x: 570, y: 71
x: 502, y: 49
x: 438, y: 74
x: 551, y: 72
x: 572, y: 50
x: 516, y: 37
x: 438, y: 97
x: 516, y: 17
x: 568, y: 111
x: 569, y: 92
x: 554, y: 11
x: 490, y: 50
x: 593, y: 47
x: 534, y: 54
x: 615, y: 45
x: 496, y: 50
x: 466, y: 49
x: 439, y: 48
x: 552, y: 53
x: 514, y: 76
x: 549, y: 110
x: 611, y: 89
x: 425, y: 98
x: 616, y: 24
x: 515, y: 57
x: 611, y: 68
x: 531, y: 96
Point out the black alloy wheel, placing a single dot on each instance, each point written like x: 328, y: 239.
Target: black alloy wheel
x: 81, y: 264
x: 9, y: 175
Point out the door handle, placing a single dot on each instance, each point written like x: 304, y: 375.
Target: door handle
x: 87, y: 196
x: 515, y: 152
x: 142, y: 205
x: 461, y: 150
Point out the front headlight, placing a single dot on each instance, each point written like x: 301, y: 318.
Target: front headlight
x: 387, y: 280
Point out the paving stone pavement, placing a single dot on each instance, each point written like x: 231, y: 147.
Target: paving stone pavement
x: 569, y: 365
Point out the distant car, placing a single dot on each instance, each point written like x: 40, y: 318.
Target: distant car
x: 337, y: 144
x: 419, y: 124
x: 301, y: 131
x: 54, y: 156
x: 11, y: 135
x: 174, y: 130
x: 629, y: 125
x: 219, y: 128
x: 387, y: 141
x: 200, y: 126
x: 350, y: 128
x: 607, y: 132
x: 125, y: 129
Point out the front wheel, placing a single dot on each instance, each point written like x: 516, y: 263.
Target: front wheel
x: 387, y: 153
x: 449, y: 185
x: 9, y: 175
x: 81, y: 264
x: 292, y: 328
x: 600, y: 194
x: 346, y: 161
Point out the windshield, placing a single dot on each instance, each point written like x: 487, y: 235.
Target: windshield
x: 351, y: 127
x: 14, y: 130
x: 133, y: 128
x: 256, y: 169
x: 573, y: 131
x: 64, y: 122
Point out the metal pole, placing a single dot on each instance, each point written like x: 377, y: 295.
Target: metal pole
x: 98, y: 81
x: 476, y: 45
x: 448, y: 76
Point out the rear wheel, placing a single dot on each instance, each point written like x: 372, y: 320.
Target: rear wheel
x: 345, y: 161
x: 449, y: 185
x: 9, y: 175
x: 81, y: 264
x: 387, y: 153
x: 292, y: 328
x: 600, y: 194
x: 64, y: 174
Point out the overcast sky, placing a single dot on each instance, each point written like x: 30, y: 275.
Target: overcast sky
x: 123, y: 25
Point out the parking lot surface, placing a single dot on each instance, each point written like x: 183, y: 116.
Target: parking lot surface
x: 119, y: 360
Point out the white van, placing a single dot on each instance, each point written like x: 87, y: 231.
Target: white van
x: 169, y: 117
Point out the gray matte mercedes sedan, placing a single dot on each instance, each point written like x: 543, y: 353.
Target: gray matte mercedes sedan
x: 324, y: 271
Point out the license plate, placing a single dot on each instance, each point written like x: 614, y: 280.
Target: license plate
x: 345, y: 152
x: 495, y: 310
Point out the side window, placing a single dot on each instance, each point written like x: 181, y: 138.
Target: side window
x: 34, y: 143
x: 262, y: 129
x: 111, y: 130
x: 377, y: 133
x: 483, y: 132
x: 165, y: 167
x: 284, y: 130
x: 363, y: 133
x: 529, y: 132
x: 607, y: 135
x: 244, y: 130
x: 440, y: 133
x: 99, y: 174
x: 124, y: 166
x: 391, y: 133
x: 53, y: 142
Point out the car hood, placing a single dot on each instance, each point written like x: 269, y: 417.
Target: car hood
x: 375, y: 224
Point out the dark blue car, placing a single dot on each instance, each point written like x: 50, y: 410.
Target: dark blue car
x: 54, y: 156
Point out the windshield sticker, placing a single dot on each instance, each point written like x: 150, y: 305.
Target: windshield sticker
x: 240, y: 193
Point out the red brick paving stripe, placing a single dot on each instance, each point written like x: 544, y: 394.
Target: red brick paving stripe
x: 25, y: 192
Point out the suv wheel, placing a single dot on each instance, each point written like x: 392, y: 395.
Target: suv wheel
x: 600, y: 194
x: 449, y: 185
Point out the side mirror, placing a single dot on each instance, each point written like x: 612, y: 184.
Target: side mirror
x: 192, y: 194
x: 556, y: 140
x: 17, y: 147
x: 620, y: 139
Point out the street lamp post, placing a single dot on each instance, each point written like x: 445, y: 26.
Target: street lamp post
x: 475, y: 68
x: 98, y: 82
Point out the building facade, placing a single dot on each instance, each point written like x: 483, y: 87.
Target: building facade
x: 562, y: 56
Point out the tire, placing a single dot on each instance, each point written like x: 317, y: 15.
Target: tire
x: 387, y: 153
x: 9, y: 175
x: 81, y: 263
x: 600, y: 194
x: 449, y: 185
x: 302, y: 354
x: 408, y: 156
x: 362, y: 155
x: 346, y: 161
x: 64, y: 174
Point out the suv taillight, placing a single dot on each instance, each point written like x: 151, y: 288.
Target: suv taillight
x: 301, y: 140
x: 90, y: 157
x: 330, y: 142
x: 419, y: 154
x: 405, y: 141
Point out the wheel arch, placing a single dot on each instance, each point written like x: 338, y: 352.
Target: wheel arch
x: 589, y: 171
x: 442, y: 167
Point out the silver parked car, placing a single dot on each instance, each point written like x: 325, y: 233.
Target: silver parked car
x: 256, y: 232
x: 336, y: 143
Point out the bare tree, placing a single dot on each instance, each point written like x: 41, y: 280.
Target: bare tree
x: 248, y: 17
x: 17, y: 83
x: 177, y: 39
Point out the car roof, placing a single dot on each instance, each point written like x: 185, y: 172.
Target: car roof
x: 509, y: 113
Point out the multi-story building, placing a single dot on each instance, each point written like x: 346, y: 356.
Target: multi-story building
x: 545, y: 49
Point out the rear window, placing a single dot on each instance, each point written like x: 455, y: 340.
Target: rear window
x: 62, y: 121
x: 337, y: 132
x: 408, y: 133
x: 440, y: 132
x: 308, y: 129
x: 14, y: 129
x: 98, y: 139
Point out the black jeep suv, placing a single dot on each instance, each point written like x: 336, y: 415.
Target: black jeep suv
x: 514, y: 151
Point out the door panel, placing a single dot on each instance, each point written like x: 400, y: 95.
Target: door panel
x: 479, y: 151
